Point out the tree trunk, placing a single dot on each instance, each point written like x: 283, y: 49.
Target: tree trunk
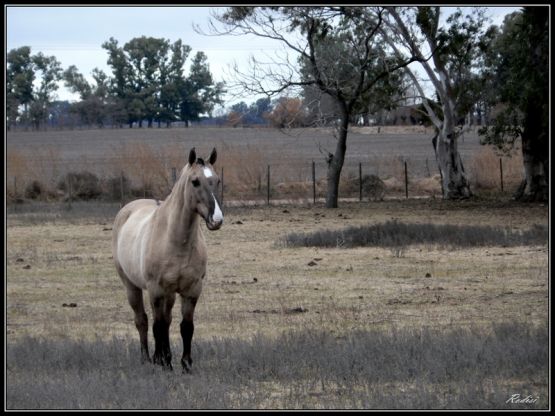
x: 535, y: 155
x: 335, y: 163
x: 454, y: 183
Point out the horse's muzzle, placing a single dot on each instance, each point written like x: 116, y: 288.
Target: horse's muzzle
x: 214, y: 225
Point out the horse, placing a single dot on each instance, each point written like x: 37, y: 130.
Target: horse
x: 159, y: 247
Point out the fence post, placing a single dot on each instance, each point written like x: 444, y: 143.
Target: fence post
x: 268, y: 200
x: 313, y: 182
x: 15, y: 187
x: 174, y: 175
x: 406, y: 182
x: 69, y: 190
x: 121, y: 189
x: 501, y: 172
x: 222, y: 181
x: 360, y: 181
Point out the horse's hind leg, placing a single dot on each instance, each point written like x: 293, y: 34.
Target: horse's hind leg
x: 135, y: 297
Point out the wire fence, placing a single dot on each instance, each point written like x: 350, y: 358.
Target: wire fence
x: 247, y: 182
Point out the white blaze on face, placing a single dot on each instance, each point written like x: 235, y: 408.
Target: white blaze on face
x: 207, y: 172
x: 217, y: 216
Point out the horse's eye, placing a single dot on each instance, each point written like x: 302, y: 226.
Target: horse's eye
x: 196, y: 183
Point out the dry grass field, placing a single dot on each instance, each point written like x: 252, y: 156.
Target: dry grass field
x: 410, y: 327
x: 61, y: 285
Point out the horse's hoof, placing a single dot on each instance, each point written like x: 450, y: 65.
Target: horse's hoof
x: 164, y: 362
x: 187, y: 366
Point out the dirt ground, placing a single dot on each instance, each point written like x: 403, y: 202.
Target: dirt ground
x: 61, y: 279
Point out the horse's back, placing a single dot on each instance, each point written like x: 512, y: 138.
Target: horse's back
x: 128, y: 234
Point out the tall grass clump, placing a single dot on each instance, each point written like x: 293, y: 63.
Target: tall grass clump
x: 149, y: 167
x: 245, y: 169
x: 397, y: 234
x: 485, y: 172
x: 465, y: 368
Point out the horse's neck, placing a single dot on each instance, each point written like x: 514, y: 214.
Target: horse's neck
x: 182, y: 221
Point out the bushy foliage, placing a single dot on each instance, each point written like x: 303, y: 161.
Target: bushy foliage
x: 34, y: 190
x: 289, y: 113
x: 80, y: 185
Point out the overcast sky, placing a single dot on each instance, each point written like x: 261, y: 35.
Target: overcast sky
x: 74, y: 34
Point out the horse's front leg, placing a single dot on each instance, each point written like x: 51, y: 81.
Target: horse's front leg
x: 162, y: 311
x: 188, y: 304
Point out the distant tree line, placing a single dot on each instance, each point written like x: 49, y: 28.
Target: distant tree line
x: 148, y: 85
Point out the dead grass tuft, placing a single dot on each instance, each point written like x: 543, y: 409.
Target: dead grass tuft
x: 245, y: 169
x: 485, y: 173
x: 148, y: 168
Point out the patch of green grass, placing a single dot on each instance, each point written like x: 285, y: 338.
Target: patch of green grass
x: 399, y: 369
x: 394, y: 234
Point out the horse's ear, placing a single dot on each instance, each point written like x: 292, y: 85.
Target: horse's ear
x: 192, y: 156
x: 213, y: 156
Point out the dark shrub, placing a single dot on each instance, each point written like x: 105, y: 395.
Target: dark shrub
x: 397, y: 234
x: 84, y: 185
x: 373, y: 187
x: 113, y: 187
x: 34, y: 190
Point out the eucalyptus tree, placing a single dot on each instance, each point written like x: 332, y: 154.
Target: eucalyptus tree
x: 96, y: 105
x: 148, y: 77
x: 338, y: 50
x: 145, y: 55
x: 519, y: 69
x: 31, y: 81
x: 171, y: 81
x: 20, y: 75
x: 451, y: 56
x: 199, y: 92
x: 49, y: 71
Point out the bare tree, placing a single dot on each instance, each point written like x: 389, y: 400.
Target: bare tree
x: 455, y: 53
x: 338, y: 50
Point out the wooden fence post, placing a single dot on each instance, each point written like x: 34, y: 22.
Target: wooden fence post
x: 406, y: 182
x: 144, y: 187
x: 121, y: 189
x: 360, y: 181
x: 268, y: 186
x: 501, y: 172
x: 222, y: 181
x: 313, y: 182
x: 174, y: 175
x: 69, y: 190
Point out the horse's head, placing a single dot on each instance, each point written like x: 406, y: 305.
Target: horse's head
x: 203, y: 183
